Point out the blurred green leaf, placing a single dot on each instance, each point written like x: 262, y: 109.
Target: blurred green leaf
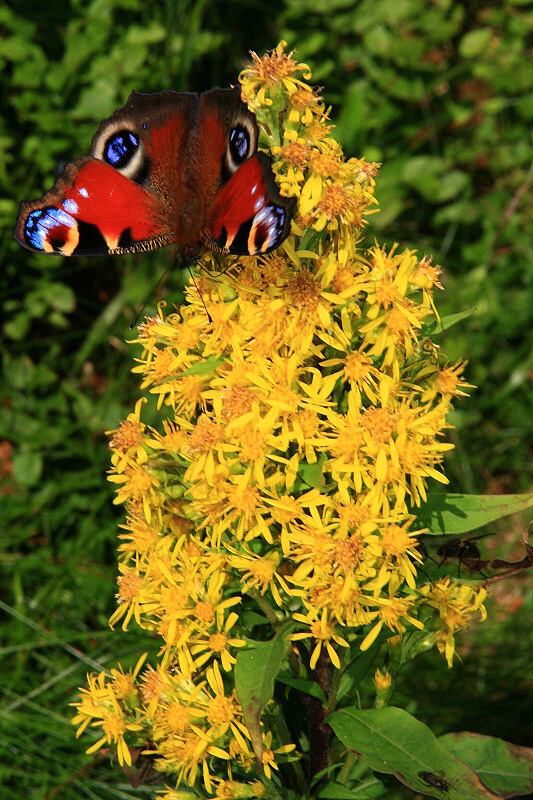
x: 475, y: 43
x: 27, y: 468
x: 17, y: 327
x: 59, y: 296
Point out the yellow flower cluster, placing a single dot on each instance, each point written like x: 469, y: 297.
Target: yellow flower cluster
x: 298, y: 424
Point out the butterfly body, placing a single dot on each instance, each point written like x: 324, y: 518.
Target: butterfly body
x: 173, y: 167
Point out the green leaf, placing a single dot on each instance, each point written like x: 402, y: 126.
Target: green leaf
x: 255, y: 671
x: 390, y: 740
x: 337, y: 791
x: 312, y: 474
x: 475, y: 43
x: 433, y: 178
x: 18, y: 326
x: 448, y: 322
x: 360, y: 666
x: 59, y: 296
x: 450, y: 186
x: 27, y: 468
x: 506, y: 768
x: 461, y: 513
x: 57, y: 320
x: 204, y: 367
x: 307, y: 687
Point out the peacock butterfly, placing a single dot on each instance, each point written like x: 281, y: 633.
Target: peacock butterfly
x: 172, y: 167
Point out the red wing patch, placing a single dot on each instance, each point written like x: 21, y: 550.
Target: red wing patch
x: 248, y: 215
x: 93, y: 210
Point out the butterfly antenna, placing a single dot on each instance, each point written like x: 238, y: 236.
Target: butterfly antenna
x: 209, y: 317
x: 152, y: 292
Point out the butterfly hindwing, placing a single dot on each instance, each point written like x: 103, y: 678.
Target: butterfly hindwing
x: 249, y: 215
x: 93, y: 210
x: 246, y: 214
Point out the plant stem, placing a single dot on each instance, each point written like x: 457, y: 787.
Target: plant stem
x: 319, y: 732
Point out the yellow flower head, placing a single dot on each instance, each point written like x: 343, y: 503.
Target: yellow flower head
x: 300, y: 408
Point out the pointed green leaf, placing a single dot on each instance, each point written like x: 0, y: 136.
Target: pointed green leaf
x: 447, y: 322
x: 256, y: 668
x: 307, y: 687
x: 356, y: 670
x: 460, y: 513
x: 392, y: 741
x: 204, y: 367
x: 312, y: 474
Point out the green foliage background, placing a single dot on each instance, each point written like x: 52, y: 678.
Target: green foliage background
x: 442, y: 94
